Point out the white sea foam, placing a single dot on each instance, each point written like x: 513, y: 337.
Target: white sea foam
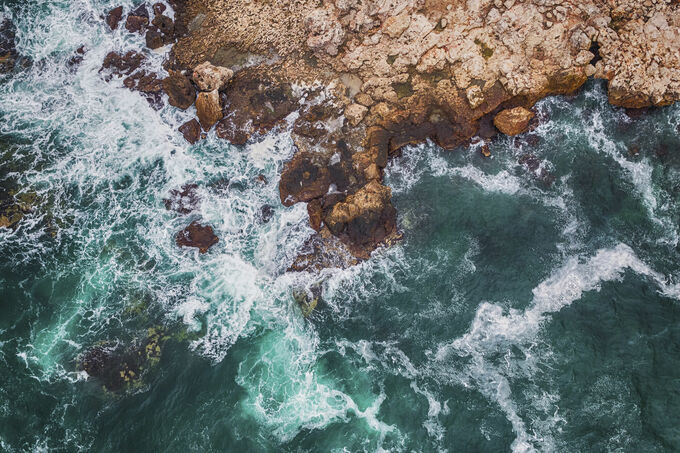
x: 496, y: 329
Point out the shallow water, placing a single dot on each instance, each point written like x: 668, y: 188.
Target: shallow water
x: 518, y: 314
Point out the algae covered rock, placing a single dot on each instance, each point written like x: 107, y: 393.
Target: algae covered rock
x: 121, y: 367
x: 308, y: 298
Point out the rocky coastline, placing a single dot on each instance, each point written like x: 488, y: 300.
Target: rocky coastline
x: 358, y: 80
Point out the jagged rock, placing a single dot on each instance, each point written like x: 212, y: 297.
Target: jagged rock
x: 180, y: 91
x: 148, y: 84
x: 138, y: 19
x: 113, y: 17
x: 161, y: 32
x: 208, y: 77
x: 303, y: 180
x: 197, y: 235
x: 365, y: 219
x: 426, y: 70
x: 315, y: 211
x: 191, y: 130
x: 513, y: 121
x: 183, y: 201
x: 208, y: 109
x: 355, y: 113
x: 158, y: 8
x: 121, y: 65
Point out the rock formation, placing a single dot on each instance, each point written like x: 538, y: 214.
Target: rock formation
x: 197, y: 235
x: 367, y: 77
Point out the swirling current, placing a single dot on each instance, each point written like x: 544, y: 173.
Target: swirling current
x: 534, y: 304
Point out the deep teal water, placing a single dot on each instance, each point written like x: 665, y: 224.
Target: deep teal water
x: 517, y: 315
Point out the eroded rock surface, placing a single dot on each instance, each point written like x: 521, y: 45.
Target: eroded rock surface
x: 357, y: 80
x: 198, y: 236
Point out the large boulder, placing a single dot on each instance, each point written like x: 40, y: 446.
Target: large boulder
x: 513, y: 121
x: 138, y: 19
x: 208, y: 77
x: 191, y: 130
x: 365, y: 219
x: 208, y: 109
x: 180, y: 91
x: 303, y: 179
x: 197, y: 235
x: 113, y: 17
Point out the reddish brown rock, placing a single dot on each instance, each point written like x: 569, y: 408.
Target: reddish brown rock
x: 124, y: 64
x: 208, y: 109
x: 148, y: 84
x: 227, y: 130
x: 513, y: 121
x: 113, y: 17
x: 315, y: 211
x: 191, y: 130
x: 180, y: 91
x: 183, y: 201
x: 303, y: 180
x: 137, y: 20
x: 197, y: 235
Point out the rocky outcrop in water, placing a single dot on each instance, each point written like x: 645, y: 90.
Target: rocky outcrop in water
x: 198, y: 236
x: 358, y: 80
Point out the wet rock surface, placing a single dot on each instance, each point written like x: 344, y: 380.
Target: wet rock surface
x: 181, y: 92
x: 114, y: 17
x: 358, y: 82
x: 191, y: 130
x: 198, y: 236
x: 138, y: 19
x: 184, y: 200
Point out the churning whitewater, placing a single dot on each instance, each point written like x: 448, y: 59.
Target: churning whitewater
x: 534, y: 304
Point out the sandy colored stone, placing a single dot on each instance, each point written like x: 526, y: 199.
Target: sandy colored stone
x: 208, y: 77
x: 208, y: 109
x: 513, y: 121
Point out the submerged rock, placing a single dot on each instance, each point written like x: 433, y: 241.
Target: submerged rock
x: 13, y: 208
x: 513, y: 121
x: 120, y: 367
x: 183, y: 201
x: 197, y: 235
x: 308, y: 299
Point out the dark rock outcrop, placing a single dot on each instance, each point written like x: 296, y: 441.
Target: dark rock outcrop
x: 181, y: 93
x: 191, y: 130
x: 198, y: 236
x: 137, y: 20
x: 114, y: 17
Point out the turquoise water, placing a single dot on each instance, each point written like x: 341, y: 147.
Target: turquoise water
x: 521, y: 313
